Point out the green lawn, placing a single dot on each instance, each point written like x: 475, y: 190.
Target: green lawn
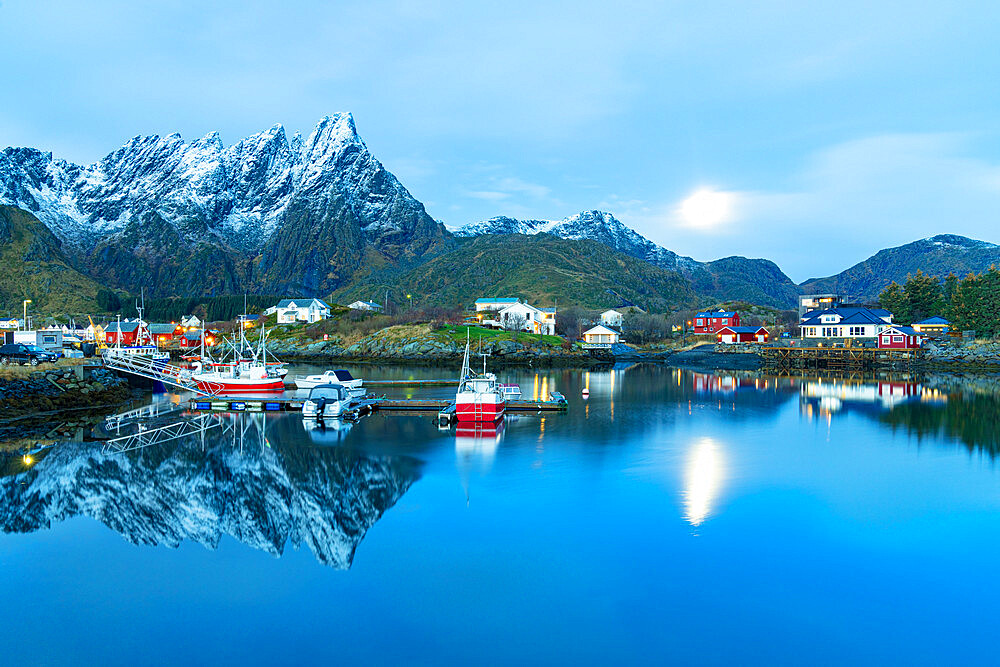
x: 456, y: 332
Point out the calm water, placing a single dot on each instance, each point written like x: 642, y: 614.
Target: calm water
x: 672, y: 516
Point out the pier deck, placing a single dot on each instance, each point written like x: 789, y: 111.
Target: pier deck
x: 838, y: 358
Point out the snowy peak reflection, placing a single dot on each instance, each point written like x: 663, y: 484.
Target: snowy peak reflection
x: 704, y: 474
x: 265, y: 490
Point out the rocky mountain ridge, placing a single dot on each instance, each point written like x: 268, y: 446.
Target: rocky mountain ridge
x: 730, y: 278
x: 936, y: 255
x: 240, y: 209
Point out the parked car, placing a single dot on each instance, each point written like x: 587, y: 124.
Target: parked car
x: 19, y: 353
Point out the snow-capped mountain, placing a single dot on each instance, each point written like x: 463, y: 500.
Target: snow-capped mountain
x: 125, y: 216
x: 756, y: 280
x: 936, y: 255
x: 594, y: 225
x: 265, y: 497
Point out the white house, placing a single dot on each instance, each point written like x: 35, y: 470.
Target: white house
x: 290, y: 311
x: 191, y: 322
x: 366, y: 305
x: 847, y: 322
x: 525, y: 317
x: 494, y: 305
x: 612, y: 318
x: 600, y: 337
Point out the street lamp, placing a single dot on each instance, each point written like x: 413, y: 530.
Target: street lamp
x: 409, y: 302
x: 25, y: 320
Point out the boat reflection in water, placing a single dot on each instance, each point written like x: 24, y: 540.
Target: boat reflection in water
x: 478, y: 441
x: 704, y: 474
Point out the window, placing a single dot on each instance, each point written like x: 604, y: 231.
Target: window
x: 699, y: 322
x: 897, y: 339
x: 725, y: 321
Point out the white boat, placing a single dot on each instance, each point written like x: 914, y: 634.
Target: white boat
x: 327, y: 401
x: 355, y: 386
x: 510, y: 391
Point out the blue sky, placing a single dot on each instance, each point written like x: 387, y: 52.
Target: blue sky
x: 809, y: 133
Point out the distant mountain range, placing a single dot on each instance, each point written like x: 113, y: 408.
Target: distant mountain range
x: 321, y: 216
x: 937, y: 256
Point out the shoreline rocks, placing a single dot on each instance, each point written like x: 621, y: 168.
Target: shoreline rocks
x: 61, y: 388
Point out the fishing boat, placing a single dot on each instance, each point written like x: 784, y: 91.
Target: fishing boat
x: 479, y: 397
x: 355, y: 386
x: 246, y: 371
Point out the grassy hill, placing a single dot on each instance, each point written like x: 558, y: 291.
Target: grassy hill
x: 540, y: 269
x: 34, y: 267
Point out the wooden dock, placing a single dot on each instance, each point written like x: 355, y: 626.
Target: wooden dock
x: 290, y: 386
x: 393, y: 405
x: 838, y: 358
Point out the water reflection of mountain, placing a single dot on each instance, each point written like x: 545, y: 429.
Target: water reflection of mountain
x: 286, y: 491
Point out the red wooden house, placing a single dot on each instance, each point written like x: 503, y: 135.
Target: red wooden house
x: 193, y: 338
x: 709, y: 322
x: 742, y: 335
x: 121, y: 333
x: 900, y: 338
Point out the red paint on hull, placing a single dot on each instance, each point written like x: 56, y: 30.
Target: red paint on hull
x: 468, y: 412
x: 270, y: 386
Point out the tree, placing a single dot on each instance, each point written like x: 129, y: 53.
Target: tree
x: 948, y: 295
x: 108, y: 301
x: 923, y: 297
x: 893, y: 299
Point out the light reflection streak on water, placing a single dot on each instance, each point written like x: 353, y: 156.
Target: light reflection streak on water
x: 704, y: 473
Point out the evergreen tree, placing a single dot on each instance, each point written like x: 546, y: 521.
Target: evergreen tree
x: 948, y: 296
x: 893, y: 299
x: 922, y: 297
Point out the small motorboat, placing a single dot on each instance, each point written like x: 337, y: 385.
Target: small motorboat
x: 355, y: 386
x: 510, y: 391
x: 327, y: 401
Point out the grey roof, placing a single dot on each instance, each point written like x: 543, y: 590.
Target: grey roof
x: 849, y: 315
x: 301, y: 302
x: 744, y: 329
x: 125, y: 326
x: 909, y: 331
x: 161, y: 329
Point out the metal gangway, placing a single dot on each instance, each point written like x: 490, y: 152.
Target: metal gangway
x: 155, y: 369
x: 147, y: 437
x: 154, y: 410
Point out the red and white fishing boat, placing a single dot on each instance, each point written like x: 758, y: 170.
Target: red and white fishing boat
x: 247, y: 371
x: 480, y: 397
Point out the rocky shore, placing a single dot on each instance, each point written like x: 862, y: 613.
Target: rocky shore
x: 980, y: 355
x: 429, y: 348
x: 61, y: 388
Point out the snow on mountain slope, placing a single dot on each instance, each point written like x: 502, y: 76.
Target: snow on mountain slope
x: 235, y: 195
x: 594, y: 225
x: 265, y: 497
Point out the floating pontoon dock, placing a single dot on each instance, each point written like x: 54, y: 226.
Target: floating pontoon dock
x: 396, y: 405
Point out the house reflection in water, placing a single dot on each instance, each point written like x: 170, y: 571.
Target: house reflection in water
x: 704, y: 474
x: 826, y: 397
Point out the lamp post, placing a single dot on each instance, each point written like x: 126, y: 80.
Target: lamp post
x: 25, y: 320
x: 409, y: 302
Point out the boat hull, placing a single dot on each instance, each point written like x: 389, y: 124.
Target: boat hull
x: 239, y: 386
x: 479, y: 412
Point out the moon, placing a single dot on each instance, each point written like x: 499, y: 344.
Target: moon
x: 706, y: 209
